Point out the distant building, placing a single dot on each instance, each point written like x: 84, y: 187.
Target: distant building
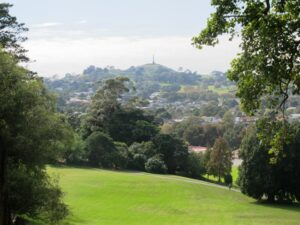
x: 211, y: 119
x: 245, y: 120
x: 294, y: 117
x: 197, y: 148
x: 77, y: 100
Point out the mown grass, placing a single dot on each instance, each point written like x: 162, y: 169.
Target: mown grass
x: 234, y: 174
x: 98, y: 197
x: 221, y: 90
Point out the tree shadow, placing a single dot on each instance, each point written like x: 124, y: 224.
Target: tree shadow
x: 284, y: 206
x: 83, y: 167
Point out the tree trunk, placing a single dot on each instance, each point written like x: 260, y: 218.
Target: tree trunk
x: 219, y: 174
x: 4, y: 211
x: 271, y: 198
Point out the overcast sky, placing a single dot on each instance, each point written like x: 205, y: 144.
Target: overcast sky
x: 66, y: 36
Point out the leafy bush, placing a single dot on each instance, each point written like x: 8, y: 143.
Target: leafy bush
x: 121, y: 156
x: 195, y: 165
x: 139, y: 153
x: 101, y: 150
x: 156, y: 165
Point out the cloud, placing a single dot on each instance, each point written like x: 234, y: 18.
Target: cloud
x: 67, y: 54
x: 82, y: 21
x: 48, y: 24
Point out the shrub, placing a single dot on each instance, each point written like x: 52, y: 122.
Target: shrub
x: 195, y: 165
x: 156, y: 165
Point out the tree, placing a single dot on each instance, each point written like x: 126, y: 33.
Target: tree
x: 220, y: 161
x: 258, y: 178
x: 122, y: 122
x: 155, y: 164
x: 101, y: 150
x: 10, y: 33
x: 268, y: 67
x: 104, y: 104
x: 228, y: 120
x: 76, y: 153
x: 173, y: 150
x: 121, y: 158
x: 194, y: 134
x: 31, y: 135
x: 139, y: 153
x: 269, y: 61
x: 195, y: 166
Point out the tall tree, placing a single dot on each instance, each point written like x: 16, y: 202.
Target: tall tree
x: 104, y: 104
x: 258, y: 178
x: 220, y: 161
x: 173, y: 150
x: 31, y: 135
x: 268, y: 66
x: 11, y: 33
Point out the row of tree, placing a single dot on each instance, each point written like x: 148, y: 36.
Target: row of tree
x: 116, y: 135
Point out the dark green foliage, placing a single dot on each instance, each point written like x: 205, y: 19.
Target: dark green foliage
x: 31, y: 135
x: 220, y: 159
x: 139, y: 153
x: 161, y: 115
x: 174, y: 152
x: 76, y: 153
x: 36, y: 195
x: 121, y: 157
x: 267, y: 70
x: 194, y: 134
x: 259, y: 178
x: 234, y: 136
x: 268, y: 63
x: 131, y: 125
x: 155, y: 164
x: 123, y: 123
x: 10, y: 33
x: 195, y: 166
x: 101, y: 150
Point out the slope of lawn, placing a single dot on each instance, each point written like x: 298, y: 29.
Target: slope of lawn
x: 234, y: 174
x: 98, y: 197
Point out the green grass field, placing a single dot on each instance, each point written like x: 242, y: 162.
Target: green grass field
x: 98, y: 197
x: 234, y: 174
x: 221, y: 90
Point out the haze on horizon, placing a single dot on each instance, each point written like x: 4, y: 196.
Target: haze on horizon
x: 67, y: 36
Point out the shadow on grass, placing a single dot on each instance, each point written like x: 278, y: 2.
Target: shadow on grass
x: 63, y: 166
x: 284, y: 206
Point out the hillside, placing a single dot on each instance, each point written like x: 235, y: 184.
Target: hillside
x: 106, y: 197
x: 181, y: 93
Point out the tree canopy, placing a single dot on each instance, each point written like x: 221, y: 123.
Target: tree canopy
x: 269, y: 62
x: 11, y: 33
x: 31, y: 135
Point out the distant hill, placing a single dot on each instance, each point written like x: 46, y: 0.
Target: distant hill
x: 147, y: 78
x: 161, y: 86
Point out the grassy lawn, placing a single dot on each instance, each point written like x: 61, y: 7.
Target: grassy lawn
x: 234, y: 174
x: 98, y: 197
x: 221, y: 90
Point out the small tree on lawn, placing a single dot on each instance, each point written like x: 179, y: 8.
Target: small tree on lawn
x: 220, y: 159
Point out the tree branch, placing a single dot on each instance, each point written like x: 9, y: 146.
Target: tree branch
x: 268, y: 7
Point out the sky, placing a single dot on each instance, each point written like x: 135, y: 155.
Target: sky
x: 66, y: 36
